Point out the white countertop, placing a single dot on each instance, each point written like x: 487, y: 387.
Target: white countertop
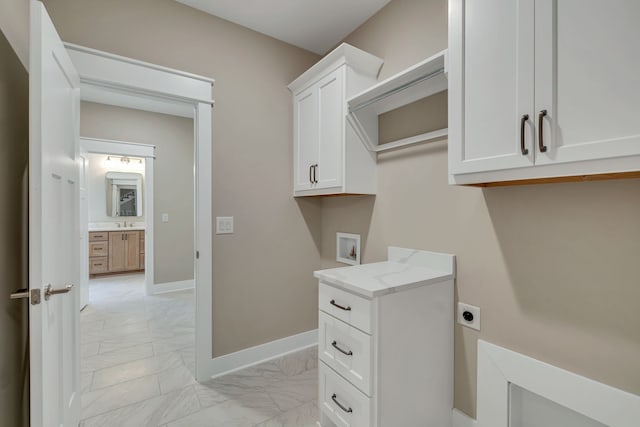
x: 115, y: 228
x: 406, y: 269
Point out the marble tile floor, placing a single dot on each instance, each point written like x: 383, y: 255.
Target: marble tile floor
x: 138, y: 362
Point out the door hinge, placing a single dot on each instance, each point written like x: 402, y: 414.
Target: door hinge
x: 197, y: 254
x: 35, y: 296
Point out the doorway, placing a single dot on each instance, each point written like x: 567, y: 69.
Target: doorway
x: 123, y: 82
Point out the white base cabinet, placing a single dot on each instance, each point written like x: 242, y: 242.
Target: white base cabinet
x: 328, y: 157
x: 386, y: 342
x: 543, y: 89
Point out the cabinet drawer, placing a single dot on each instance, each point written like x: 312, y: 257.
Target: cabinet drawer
x: 347, y: 307
x: 98, y: 265
x: 98, y: 249
x: 98, y: 236
x: 347, y: 350
x: 341, y: 402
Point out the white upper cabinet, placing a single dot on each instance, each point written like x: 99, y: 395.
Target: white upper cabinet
x: 328, y: 157
x: 543, y: 89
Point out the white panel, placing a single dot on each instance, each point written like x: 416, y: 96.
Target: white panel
x: 305, y: 118
x: 331, y: 128
x: 530, y: 410
x: 341, y: 402
x: 587, y: 69
x: 355, y: 366
x: 345, y: 306
x: 497, y: 85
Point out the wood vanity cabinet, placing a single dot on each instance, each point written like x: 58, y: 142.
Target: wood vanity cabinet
x: 542, y: 90
x: 329, y: 158
x: 116, y: 251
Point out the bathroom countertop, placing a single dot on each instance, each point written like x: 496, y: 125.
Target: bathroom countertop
x: 405, y: 269
x: 112, y: 228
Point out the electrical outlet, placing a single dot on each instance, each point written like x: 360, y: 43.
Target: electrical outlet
x: 224, y: 225
x: 469, y: 316
x: 165, y: 217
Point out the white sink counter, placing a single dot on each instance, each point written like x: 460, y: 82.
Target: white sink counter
x: 113, y: 228
x: 405, y: 269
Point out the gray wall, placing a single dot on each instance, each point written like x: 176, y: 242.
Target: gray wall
x: 14, y: 149
x: 554, y: 267
x: 262, y: 284
x: 172, y: 183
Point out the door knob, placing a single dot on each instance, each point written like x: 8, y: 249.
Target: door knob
x: 49, y: 290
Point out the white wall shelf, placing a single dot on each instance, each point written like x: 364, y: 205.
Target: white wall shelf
x: 419, y: 81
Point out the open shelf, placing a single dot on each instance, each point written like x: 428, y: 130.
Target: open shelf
x: 419, y: 81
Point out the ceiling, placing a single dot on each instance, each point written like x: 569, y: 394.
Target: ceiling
x: 314, y: 25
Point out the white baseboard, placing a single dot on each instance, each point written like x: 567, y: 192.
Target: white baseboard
x: 161, y: 288
x: 261, y: 353
x: 460, y: 419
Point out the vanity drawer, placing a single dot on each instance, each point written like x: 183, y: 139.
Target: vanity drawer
x: 98, y: 265
x: 98, y: 236
x: 347, y: 307
x: 347, y: 350
x: 98, y: 249
x: 341, y: 402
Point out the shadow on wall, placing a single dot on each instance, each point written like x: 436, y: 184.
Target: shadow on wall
x: 310, y: 209
x: 570, y: 253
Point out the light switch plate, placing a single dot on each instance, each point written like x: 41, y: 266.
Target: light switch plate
x: 474, y: 311
x: 165, y: 217
x: 224, y: 225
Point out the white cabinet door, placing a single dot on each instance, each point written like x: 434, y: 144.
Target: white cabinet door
x: 497, y: 83
x: 331, y: 99
x: 306, y: 138
x: 588, y: 79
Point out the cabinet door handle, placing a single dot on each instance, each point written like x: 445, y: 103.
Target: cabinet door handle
x: 315, y: 172
x: 541, y: 116
x: 310, y: 174
x: 523, y: 120
x: 347, y: 353
x: 341, y: 307
x: 344, y: 408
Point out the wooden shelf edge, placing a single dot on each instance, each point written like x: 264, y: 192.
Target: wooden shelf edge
x: 560, y: 179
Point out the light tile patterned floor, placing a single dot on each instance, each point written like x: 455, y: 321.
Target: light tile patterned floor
x: 138, y: 362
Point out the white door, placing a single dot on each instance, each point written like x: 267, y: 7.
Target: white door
x: 54, y: 105
x: 83, y: 160
x: 587, y: 79
x: 306, y: 138
x: 497, y: 82
x: 331, y: 117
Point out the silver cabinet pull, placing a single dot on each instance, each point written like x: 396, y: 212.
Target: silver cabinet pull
x: 541, y: 116
x: 49, y: 290
x: 344, y: 408
x: 346, y: 353
x: 523, y: 149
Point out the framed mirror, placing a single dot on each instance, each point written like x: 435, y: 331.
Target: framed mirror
x: 124, y: 194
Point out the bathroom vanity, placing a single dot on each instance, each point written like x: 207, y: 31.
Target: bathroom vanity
x: 386, y: 341
x: 116, y: 250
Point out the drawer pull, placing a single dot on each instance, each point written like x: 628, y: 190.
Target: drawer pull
x: 333, y: 303
x: 335, y: 345
x: 345, y: 409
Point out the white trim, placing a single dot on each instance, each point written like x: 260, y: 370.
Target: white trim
x: 261, y: 353
x: 498, y: 367
x: 182, y: 285
x: 460, y: 419
x: 124, y: 148
x: 113, y: 72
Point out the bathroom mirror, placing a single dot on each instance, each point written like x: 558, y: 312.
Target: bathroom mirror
x: 124, y: 194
